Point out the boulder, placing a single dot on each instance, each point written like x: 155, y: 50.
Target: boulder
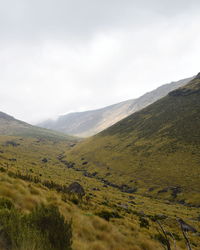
x: 76, y: 188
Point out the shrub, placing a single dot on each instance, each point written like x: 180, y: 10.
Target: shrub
x: 52, y: 225
x: 2, y: 169
x: 144, y: 222
x: 107, y: 215
x: 157, y: 217
x: 16, y: 232
x: 161, y: 239
x: 6, y: 203
x: 43, y: 229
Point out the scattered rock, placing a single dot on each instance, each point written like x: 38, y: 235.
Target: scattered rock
x: 76, y: 188
x: 12, y: 159
x: 45, y: 160
x: 183, y: 92
x: 175, y: 191
x: 11, y: 143
x: 186, y: 227
x: 94, y: 174
x: 126, y: 189
x: 164, y: 190
x: 85, y: 163
x: 132, y: 202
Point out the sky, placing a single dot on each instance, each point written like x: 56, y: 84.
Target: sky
x: 61, y: 56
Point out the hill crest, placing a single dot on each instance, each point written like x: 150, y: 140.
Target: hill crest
x: 88, y: 123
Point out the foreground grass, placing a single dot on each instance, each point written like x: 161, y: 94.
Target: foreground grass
x: 43, y: 228
x: 106, y: 218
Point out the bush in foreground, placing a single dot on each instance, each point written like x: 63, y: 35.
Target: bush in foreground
x: 43, y: 229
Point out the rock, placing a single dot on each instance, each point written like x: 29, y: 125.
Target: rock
x: 12, y: 159
x: 94, y: 174
x: 124, y: 188
x: 45, y: 160
x: 164, y: 190
x: 76, y: 188
x: 175, y: 191
x: 183, y: 92
x: 132, y: 202
x: 12, y: 143
x: 85, y: 163
x: 197, y: 76
x: 186, y: 227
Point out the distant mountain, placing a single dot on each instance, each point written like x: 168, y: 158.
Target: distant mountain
x: 155, y: 149
x: 84, y: 124
x: 11, y: 126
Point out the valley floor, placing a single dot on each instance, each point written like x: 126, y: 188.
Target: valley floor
x: 108, y: 217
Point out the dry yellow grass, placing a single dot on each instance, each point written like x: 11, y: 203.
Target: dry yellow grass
x: 89, y: 231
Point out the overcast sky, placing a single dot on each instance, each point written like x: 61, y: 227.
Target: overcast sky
x: 60, y: 56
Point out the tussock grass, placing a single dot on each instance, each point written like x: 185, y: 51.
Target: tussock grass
x: 89, y: 230
x: 157, y: 147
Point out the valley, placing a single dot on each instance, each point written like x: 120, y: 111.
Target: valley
x: 89, y: 123
x: 99, y: 125
x: 138, y: 178
x: 23, y: 181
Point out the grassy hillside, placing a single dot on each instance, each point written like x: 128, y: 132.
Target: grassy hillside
x: 11, y: 126
x: 155, y: 150
x: 91, y: 122
x: 106, y: 219
x: 139, y: 174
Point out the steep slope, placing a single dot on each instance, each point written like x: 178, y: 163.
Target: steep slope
x: 88, y: 123
x: 11, y: 126
x: 155, y: 150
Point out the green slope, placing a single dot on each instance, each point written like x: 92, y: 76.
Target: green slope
x: 156, y: 150
x: 34, y: 170
x: 11, y: 126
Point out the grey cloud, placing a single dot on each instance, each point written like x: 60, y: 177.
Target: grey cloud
x: 24, y: 19
x: 61, y: 56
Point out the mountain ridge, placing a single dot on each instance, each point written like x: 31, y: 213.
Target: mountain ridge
x: 14, y: 127
x: 156, y: 148
x: 88, y: 123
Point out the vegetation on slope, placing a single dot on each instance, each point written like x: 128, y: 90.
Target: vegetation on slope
x: 33, y: 173
x: 139, y: 177
x: 11, y: 126
x: 43, y: 228
x: 155, y: 150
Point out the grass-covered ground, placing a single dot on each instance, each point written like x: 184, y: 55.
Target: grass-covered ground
x: 156, y: 150
x: 106, y: 218
x: 140, y: 176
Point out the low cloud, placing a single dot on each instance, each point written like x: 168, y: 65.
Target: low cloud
x: 62, y: 56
